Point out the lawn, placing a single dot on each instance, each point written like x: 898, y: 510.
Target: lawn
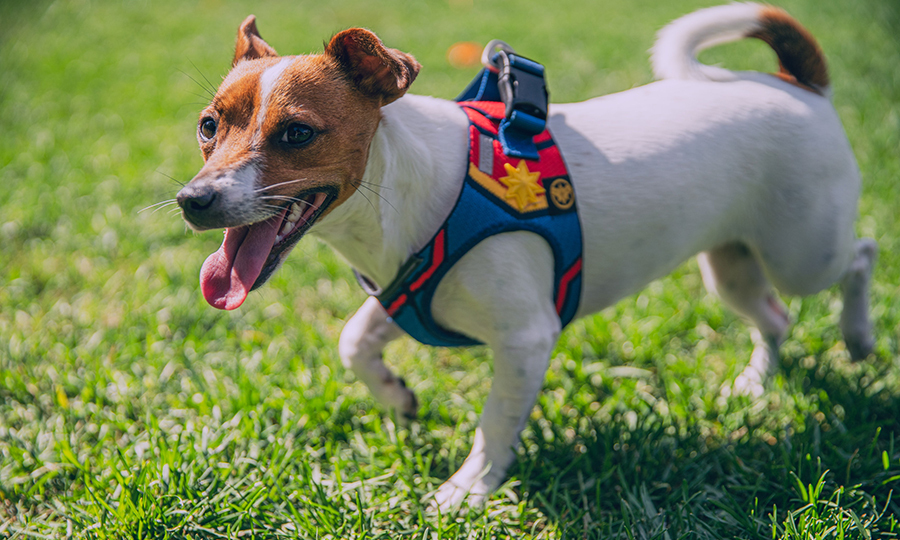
x: 129, y: 408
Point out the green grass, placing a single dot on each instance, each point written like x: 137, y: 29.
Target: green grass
x: 131, y: 409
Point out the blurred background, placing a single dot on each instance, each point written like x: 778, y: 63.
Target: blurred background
x: 111, y: 360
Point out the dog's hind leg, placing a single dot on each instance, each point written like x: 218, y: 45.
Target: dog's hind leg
x: 362, y: 340
x: 855, y: 323
x: 733, y: 273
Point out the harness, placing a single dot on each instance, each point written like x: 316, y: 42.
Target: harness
x: 516, y: 180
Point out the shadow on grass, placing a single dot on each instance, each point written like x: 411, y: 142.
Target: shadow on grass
x: 639, y: 472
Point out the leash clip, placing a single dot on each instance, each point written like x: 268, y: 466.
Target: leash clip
x: 519, y: 84
x: 523, y: 91
x: 489, y: 54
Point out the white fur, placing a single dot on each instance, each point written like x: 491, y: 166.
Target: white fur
x: 675, y: 52
x: 267, y: 82
x: 238, y: 189
x: 754, y: 172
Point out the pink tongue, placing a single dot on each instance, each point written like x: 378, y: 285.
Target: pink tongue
x: 228, y: 274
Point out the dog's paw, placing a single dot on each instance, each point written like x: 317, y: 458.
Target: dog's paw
x: 395, y: 395
x: 748, y: 384
x: 451, y: 497
x: 861, y: 347
x: 409, y: 407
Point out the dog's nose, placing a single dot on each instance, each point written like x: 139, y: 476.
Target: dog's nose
x: 202, y: 206
x: 196, y: 199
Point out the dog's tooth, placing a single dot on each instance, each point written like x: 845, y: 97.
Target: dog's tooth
x: 295, y: 213
x: 288, y: 227
x: 278, y: 238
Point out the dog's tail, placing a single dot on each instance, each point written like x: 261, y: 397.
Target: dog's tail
x: 677, y: 45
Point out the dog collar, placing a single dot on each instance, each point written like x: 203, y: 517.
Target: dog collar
x: 500, y: 194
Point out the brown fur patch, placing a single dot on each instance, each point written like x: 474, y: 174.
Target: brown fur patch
x: 377, y: 71
x: 338, y: 94
x: 801, y: 60
x: 313, y: 91
x: 234, y: 109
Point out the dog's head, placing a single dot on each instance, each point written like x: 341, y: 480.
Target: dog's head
x: 285, y: 141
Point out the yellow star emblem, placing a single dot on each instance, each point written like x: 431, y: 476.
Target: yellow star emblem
x: 522, y: 184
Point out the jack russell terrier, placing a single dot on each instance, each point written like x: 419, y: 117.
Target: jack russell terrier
x: 752, y: 171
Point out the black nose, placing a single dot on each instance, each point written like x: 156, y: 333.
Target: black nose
x: 193, y: 199
x: 202, y: 206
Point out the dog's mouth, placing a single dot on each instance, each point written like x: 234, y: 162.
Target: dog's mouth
x: 251, y: 253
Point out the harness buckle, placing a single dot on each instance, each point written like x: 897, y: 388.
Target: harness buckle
x: 523, y: 90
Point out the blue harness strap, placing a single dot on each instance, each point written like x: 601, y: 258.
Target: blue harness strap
x: 500, y: 194
x: 519, y: 83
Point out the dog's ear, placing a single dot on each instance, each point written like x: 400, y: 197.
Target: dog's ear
x: 377, y: 71
x: 249, y: 43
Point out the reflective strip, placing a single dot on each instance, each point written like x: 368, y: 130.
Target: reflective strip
x: 485, y: 154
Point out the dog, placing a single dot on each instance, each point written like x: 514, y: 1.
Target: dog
x: 752, y: 171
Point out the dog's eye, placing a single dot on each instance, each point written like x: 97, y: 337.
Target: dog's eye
x: 207, y: 128
x: 298, y: 134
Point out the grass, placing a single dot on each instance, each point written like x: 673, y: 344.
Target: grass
x: 130, y: 409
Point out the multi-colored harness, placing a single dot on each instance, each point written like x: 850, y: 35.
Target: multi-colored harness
x: 500, y: 193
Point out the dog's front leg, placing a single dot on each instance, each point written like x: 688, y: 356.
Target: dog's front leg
x: 362, y: 340
x: 520, y: 363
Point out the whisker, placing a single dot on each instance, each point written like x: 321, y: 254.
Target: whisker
x: 380, y: 196
x: 276, y: 225
x: 211, y: 86
x: 285, y: 198
x: 211, y: 94
x: 280, y: 198
x: 281, y: 208
x: 159, y: 206
x: 305, y: 221
x: 172, y: 178
x: 279, y: 184
x: 201, y: 96
x: 313, y: 206
x: 364, y: 196
x: 373, y: 184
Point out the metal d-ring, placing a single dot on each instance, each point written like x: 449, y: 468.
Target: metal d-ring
x: 487, y: 57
